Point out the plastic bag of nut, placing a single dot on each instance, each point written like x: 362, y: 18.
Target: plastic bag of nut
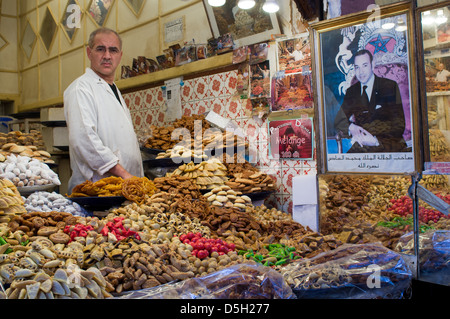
x: 351, y: 271
x: 241, y: 281
x: 434, y: 254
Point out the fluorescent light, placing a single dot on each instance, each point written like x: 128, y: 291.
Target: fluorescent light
x: 216, y: 3
x: 246, y: 4
x: 401, y: 28
x: 388, y: 25
x: 441, y: 19
x: 271, y: 6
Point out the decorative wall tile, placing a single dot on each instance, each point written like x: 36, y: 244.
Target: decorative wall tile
x: 288, y: 174
x: 127, y: 99
x: 149, y: 97
x: 292, y: 163
x: 202, y: 106
x: 217, y: 85
x: 138, y: 101
x: 187, y: 91
x: 201, y: 88
x: 158, y: 100
x: 230, y: 83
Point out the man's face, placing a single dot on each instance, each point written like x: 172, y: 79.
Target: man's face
x: 105, y: 55
x: 363, y: 68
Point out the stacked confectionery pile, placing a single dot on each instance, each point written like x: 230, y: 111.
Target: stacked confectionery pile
x: 363, y: 209
x: 23, y: 144
x: 193, y: 229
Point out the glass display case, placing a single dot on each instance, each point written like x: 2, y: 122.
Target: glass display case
x: 433, y: 30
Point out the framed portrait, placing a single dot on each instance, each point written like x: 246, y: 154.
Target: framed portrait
x: 291, y: 139
x: 364, y: 75
x: 246, y: 26
x: 294, y: 54
x: 99, y: 11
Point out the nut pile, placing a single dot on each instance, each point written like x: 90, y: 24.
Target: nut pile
x: 148, y: 266
x: 351, y: 220
x: 439, y: 147
x: 48, y: 224
x: 223, y: 219
x: 158, y: 220
x: 435, y: 182
x: 264, y: 214
x: 161, y: 138
x: 177, y: 185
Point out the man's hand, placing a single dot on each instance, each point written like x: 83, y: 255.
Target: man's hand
x: 361, y: 136
x: 119, y: 171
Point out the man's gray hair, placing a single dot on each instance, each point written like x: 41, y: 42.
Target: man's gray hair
x: 103, y: 30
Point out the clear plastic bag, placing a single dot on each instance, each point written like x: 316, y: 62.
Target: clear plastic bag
x: 434, y: 254
x: 241, y: 281
x: 364, y: 271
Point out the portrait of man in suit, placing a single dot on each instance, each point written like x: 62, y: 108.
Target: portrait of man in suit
x: 371, y: 113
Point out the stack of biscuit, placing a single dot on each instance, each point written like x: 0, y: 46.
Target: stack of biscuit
x: 24, y: 144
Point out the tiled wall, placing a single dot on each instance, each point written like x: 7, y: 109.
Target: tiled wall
x: 218, y: 93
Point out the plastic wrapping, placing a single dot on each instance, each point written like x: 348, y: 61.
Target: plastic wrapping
x: 434, y: 254
x: 241, y: 281
x: 364, y: 271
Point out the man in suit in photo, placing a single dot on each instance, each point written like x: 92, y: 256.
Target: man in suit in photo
x: 372, y: 111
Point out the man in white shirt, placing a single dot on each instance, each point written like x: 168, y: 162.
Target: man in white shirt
x: 443, y: 74
x: 102, y: 140
x: 297, y: 54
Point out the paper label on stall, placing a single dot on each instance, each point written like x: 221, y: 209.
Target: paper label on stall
x: 173, y: 99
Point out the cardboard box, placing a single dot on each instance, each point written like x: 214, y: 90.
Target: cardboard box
x: 55, y: 136
x: 49, y: 114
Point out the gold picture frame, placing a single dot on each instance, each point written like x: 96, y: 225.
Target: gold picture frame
x: 136, y: 6
x: 335, y: 77
x: 99, y: 10
x: 28, y: 40
x: 48, y: 30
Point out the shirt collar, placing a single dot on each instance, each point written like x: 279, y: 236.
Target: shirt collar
x: 95, y: 75
x: 369, y: 85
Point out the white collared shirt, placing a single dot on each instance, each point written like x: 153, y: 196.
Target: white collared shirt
x: 101, y: 131
x: 369, y: 88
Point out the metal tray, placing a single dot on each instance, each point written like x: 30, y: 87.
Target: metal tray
x: 99, y: 202
x: 28, y: 190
